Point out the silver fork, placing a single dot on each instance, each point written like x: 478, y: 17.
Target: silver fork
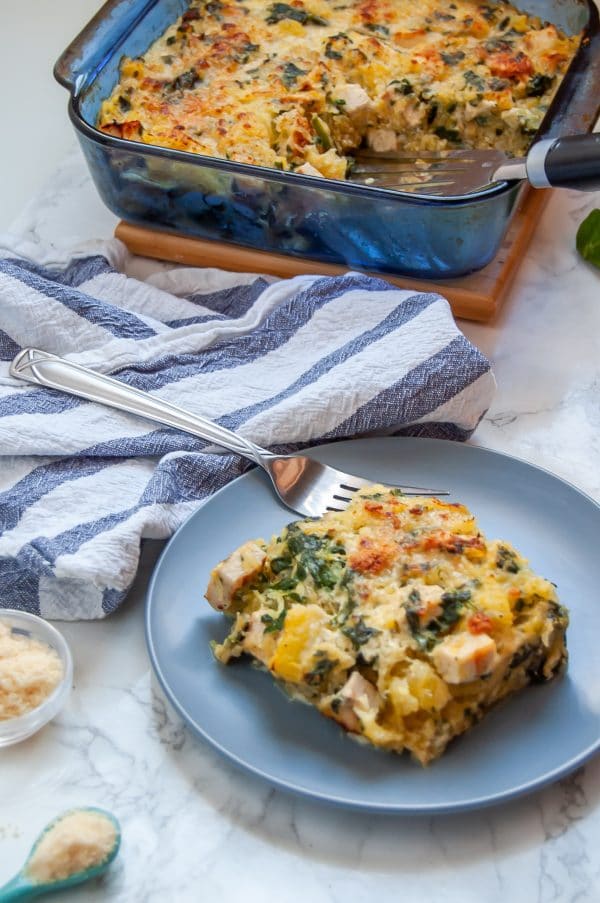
x: 303, y: 484
x: 571, y: 162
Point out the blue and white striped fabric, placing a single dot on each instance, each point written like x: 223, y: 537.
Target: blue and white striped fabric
x: 287, y: 363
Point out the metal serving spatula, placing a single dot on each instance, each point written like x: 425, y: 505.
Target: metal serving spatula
x: 571, y: 162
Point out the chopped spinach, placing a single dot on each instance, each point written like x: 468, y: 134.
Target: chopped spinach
x: 521, y: 655
x: 449, y: 134
x: 487, y: 12
x: 337, y: 39
x: 318, y: 556
x: 401, y: 86
x: 124, y: 104
x: 498, y: 45
x: 290, y: 73
x: 476, y: 81
x: 358, y: 633
x: 294, y: 597
x: 280, y: 11
x: 452, y: 603
x: 214, y: 7
x: 301, y: 571
x: 280, y: 564
x: 285, y: 584
x: 274, y: 624
x: 506, y: 560
x: 432, y: 113
x: 412, y: 611
x: 185, y: 80
x: 451, y: 58
x: 322, y: 668
x: 299, y: 542
x: 557, y: 612
x: 327, y: 576
x: 345, y: 611
x: 538, y: 84
x: 380, y: 29
x: 244, y: 54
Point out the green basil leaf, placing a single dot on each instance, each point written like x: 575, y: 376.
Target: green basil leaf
x: 588, y: 238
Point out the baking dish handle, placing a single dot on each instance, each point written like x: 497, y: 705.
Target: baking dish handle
x: 86, y: 53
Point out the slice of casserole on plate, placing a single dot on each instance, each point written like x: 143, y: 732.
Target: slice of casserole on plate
x: 396, y: 617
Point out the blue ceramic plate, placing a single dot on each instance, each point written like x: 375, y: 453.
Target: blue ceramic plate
x: 526, y: 742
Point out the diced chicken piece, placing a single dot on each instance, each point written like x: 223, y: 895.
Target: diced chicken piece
x: 541, y: 40
x: 413, y: 114
x: 232, y: 573
x: 481, y: 109
x: 254, y: 639
x: 430, y: 605
x: 357, y: 695
x: 464, y: 657
x: 307, y: 169
x: 382, y: 141
x: 356, y: 100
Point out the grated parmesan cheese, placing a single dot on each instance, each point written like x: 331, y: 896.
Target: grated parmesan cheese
x: 79, y: 841
x: 29, y: 671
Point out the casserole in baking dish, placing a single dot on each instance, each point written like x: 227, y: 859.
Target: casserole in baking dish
x: 300, y: 86
x: 302, y: 215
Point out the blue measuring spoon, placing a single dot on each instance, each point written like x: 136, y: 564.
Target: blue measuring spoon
x: 24, y: 886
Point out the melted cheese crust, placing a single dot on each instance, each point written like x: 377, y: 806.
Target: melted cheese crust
x: 302, y: 85
x: 396, y: 617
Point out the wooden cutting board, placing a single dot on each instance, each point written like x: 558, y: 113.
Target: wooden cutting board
x: 478, y: 296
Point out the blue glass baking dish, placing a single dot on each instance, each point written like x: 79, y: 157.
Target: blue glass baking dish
x: 363, y: 227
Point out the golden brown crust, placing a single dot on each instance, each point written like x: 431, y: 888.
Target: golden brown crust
x: 285, y: 85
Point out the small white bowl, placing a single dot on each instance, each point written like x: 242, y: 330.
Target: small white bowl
x: 13, y: 730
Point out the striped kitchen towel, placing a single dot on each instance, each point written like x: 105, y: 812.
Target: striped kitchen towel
x: 287, y: 363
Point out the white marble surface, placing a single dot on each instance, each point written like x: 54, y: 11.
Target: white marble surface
x: 194, y: 828
x: 38, y: 106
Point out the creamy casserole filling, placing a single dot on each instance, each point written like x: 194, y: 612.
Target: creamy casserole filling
x: 300, y: 86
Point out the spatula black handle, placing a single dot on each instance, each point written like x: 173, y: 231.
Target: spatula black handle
x: 570, y: 162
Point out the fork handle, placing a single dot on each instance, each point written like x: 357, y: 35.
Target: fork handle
x: 44, y: 369
x: 570, y: 162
